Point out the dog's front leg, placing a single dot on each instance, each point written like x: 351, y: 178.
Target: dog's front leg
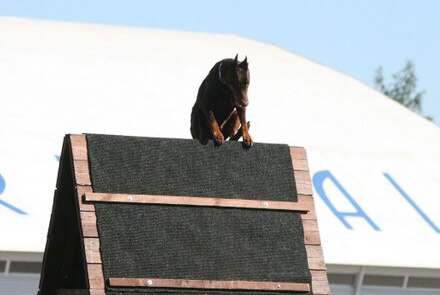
x: 230, y: 126
x: 247, y: 139
x: 216, y: 133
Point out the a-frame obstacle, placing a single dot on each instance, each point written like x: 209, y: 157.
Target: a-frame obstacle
x: 138, y: 215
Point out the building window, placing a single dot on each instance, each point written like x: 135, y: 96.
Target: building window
x: 388, y: 281
x: 420, y: 282
x: 25, y: 267
x: 2, y: 266
x: 341, y: 279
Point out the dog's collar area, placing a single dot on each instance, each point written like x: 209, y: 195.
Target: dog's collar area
x: 222, y: 80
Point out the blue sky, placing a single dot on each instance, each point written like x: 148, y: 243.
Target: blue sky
x: 353, y: 37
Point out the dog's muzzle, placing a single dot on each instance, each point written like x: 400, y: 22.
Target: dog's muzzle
x: 243, y: 103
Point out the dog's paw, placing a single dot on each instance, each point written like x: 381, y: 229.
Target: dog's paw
x: 247, y: 140
x: 219, y: 138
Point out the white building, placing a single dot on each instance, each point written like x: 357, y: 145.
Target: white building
x: 375, y: 165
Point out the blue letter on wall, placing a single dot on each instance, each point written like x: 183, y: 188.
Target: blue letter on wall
x: 2, y: 184
x: 412, y: 203
x: 318, y: 181
x: 6, y: 204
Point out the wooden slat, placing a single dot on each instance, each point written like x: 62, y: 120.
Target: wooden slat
x: 197, y: 201
x: 309, y: 200
x: 79, y: 147
x: 303, y: 183
x: 91, y: 247
x: 316, y: 264
x: 97, y: 292
x: 96, y: 277
x: 80, y: 159
x: 306, y: 201
x: 315, y: 257
x: 299, y: 158
x: 81, y: 190
x: 88, y: 224
x: 311, y: 233
x: 314, y: 251
x: 320, y: 284
x: 82, y: 175
x: 312, y: 238
x: 205, y: 284
x: 310, y: 225
x: 310, y: 214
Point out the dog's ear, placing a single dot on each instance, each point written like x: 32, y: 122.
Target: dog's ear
x: 244, y: 64
x: 235, y: 61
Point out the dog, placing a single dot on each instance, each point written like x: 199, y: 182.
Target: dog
x: 219, y: 112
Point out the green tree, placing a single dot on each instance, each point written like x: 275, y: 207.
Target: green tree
x: 403, y: 87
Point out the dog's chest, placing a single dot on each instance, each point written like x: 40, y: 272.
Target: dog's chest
x: 222, y: 113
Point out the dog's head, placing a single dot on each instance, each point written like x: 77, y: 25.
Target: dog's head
x: 235, y: 75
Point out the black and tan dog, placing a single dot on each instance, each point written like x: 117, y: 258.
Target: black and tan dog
x: 220, y: 109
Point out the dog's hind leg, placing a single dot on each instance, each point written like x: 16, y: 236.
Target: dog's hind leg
x: 199, y: 127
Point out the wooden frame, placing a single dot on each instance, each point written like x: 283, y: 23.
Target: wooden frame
x: 85, y: 198
x: 312, y: 241
x: 199, y: 201
x: 89, y: 230
x: 205, y: 284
